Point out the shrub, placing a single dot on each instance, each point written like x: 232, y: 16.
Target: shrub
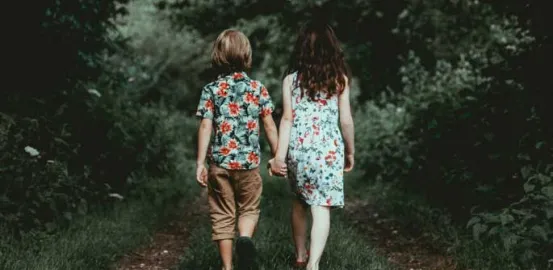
x: 86, y: 140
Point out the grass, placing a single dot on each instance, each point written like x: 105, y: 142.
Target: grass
x: 94, y: 241
x: 346, y: 249
x: 409, y: 208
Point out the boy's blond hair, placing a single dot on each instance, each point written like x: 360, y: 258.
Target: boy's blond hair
x: 232, y: 52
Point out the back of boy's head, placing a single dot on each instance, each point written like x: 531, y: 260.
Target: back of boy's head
x: 232, y: 52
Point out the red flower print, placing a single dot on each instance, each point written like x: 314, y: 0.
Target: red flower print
x: 223, y: 89
x: 264, y: 92
x: 209, y: 105
x: 330, y: 158
x: 322, y: 102
x: 253, y: 158
x: 235, y: 165
x: 316, y: 130
x: 226, y: 127
x: 223, y: 86
x: 234, y: 108
x: 237, y: 76
x: 328, y: 201
x: 252, y: 125
x: 253, y: 84
x: 232, y: 144
x: 266, y: 111
x: 225, y: 151
x: 250, y: 98
x: 300, y: 139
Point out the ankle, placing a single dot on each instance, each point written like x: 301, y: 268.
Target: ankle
x: 301, y: 255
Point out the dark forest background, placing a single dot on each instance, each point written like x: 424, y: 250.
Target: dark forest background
x: 450, y: 98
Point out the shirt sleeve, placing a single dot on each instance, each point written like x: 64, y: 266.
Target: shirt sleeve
x: 205, y: 107
x: 265, y: 102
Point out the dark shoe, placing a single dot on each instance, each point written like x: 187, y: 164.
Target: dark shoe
x: 247, y: 255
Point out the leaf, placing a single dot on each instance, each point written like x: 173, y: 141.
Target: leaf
x: 528, y: 255
x: 478, y: 229
x: 494, y: 230
x: 528, y: 187
x: 473, y: 220
x: 510, y: 240
x: 547, y: 191
x: 540, y: 232
x: 549, y: 212
x: 506, y: 218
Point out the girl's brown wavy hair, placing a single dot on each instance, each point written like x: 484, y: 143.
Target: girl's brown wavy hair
x: 319, y: 61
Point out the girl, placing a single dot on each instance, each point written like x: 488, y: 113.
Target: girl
x: 311, y: 147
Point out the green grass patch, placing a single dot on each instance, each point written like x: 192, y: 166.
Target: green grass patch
x: 97, y: 240
x: 411, y: 209
x: 346, y: 249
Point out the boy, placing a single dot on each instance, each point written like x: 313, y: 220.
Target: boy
x: 233, y: 105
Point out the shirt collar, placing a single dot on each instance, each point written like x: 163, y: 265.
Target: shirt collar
x: 241, y: 74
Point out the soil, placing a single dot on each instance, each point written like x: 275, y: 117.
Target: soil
x: 164, y: 250
x: 404, y: 246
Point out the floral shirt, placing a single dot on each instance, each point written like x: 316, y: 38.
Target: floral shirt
x: 235, y: 103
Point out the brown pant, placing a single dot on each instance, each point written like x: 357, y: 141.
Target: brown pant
x: 228, y: 189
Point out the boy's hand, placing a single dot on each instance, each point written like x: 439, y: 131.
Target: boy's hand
x: 349, y: 163
x: 277, y: 167
x: 201, y: 175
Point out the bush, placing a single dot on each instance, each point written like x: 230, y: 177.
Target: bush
x: 463, y: 126
x: 85, y: 140
x: 525, y: 226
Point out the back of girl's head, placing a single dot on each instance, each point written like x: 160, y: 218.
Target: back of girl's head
x: 232, y: 52
x: 318, y: 60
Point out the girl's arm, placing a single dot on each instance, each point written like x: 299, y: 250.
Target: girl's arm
x: 346, y: 123
x: 285, y: 126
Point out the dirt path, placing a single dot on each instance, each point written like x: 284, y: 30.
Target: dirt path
x: 407, y: 248
x: 166, y: 246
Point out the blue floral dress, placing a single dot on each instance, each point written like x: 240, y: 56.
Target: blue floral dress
x: 316, y: 150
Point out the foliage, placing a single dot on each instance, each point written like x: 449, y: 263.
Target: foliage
x: 84, y: 140
x: 524, y: 227
x: 455, y: 110
x: 464, y: 123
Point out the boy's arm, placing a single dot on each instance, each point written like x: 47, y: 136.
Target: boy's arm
x: 269, y: 125
x: 205, y: 112
x: 271, y: 132
x: 204, y: 136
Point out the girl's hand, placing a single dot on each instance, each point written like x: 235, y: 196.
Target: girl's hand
x: 349, y: 163
x: 277, y: 167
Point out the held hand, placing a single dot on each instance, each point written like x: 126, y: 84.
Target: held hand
x: 277, y: 167
x: 349, y: 163
x: 201, y: 175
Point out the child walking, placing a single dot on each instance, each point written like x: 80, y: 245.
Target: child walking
x: 316, y: 142
x: 232, y: 106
